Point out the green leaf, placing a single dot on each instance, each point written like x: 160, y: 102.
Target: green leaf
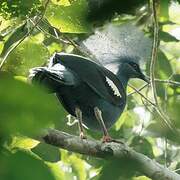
x: 173, y: 109
x: 171, y: 49
x: 164, y: 10
x: 77, y: 164
x: 16, y: 35
x: 29, y: 54
x: 47, y: 152
x: 163, y: 68
x: 166, y: 37
x: 26, y: 109
x: 142, y: 145
x: 117, y: 170
x: 46, y: 27
x: 22, y: 142
x: 163, y: 71
x: 141, y: 178
x: 21, y: 166
x: 57, y: 171
x: 70, y: 18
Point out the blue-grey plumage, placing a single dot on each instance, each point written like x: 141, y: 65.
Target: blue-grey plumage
x: 80, y: 82
x: 113, y: 45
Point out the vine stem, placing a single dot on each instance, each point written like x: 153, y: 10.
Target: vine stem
x: 152, y: 66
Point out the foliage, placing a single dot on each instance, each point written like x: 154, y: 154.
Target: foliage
x: 19, y: 8
x: 26, y: 111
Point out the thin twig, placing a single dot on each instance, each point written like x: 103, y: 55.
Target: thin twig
x: 168, y: 81
x: 142, y: 95
x: 67, y: 40
x: 26, y: 35
x: 152, y: 67
x: 156, y: 109
x: 47, y: 33
x: 154, y: 52
x: 140, y: 89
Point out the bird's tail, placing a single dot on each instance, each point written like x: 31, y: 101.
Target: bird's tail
x: 41, y: 76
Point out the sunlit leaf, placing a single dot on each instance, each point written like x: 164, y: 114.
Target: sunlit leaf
x: 164, y: 36
x: 164, y: 6
x: 57, y: 171
x: 22, y: 142
x: 78, y: 166
x: 141, y: 178
x: 15, y: 36
x: 69, y: 18
x: 29, y: 54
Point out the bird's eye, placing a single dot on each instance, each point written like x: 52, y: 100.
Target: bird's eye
x: 134, y: 66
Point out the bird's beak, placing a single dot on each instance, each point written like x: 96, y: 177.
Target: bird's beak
x: 145, y: 78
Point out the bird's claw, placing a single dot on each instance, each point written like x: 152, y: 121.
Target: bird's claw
x: 107, y: 138
x: 82, y: 136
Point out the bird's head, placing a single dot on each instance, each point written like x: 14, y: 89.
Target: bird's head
x: 132, y: 70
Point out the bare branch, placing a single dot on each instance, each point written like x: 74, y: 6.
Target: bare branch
x: 175, y: 83
x: 158, y: 109
x: 137, y: 90
x: 120, y: 151
x: 142, y: 95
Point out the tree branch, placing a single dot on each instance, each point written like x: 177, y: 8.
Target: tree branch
x: 120, y: 151
x: 168, y: 81
x: 158, y: 108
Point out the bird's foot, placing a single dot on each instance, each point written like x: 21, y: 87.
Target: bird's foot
x: 82, y: 135
x: 107, y: 138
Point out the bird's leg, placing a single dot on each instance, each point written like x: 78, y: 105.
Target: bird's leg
x: 78, y: 113
x: 98, y: 114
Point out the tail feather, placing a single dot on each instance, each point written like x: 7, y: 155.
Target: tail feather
x: 40, y: 76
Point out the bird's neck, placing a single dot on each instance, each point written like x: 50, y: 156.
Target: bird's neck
x: 120, y: 72
x: 124, y: 79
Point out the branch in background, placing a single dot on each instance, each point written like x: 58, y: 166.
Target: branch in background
x: 175, y: 83
x: 65, y: 39
x: 152, y: 68
x: 137, y: 90
x: 120, y: 151
x: 26, y: 35
x: 173, y: 129
x: 142, y: 95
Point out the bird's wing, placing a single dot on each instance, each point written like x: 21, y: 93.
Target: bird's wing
x: 62, y: 74
x: 114, y: 43
x: 97, y: 77
x: 52, y: 77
